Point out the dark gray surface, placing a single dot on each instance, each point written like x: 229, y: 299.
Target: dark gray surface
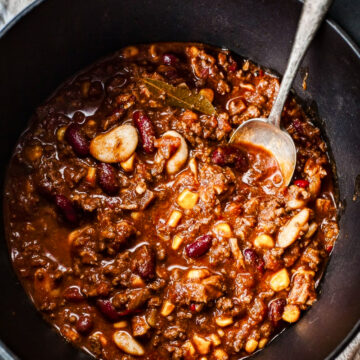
x: 347, y: 14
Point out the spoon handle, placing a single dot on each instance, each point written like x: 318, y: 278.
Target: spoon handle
x: 312, y: 14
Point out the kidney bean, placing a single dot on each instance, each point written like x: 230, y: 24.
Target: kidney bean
x: 144, y: 262
x: 73, y: 294
x: 199, y: 247
x: 107, y: 309
x: 276, y: 309
x: 231, y: 156
x: 106, y: 176
x: 146, y: 130
x: 233, y: 66
x: 301, y: 183
x: 77, y: 140
x: 67, y: 208
x: 84, y: 324
x: 169, y: 59
x: 253, y: 259
x: 329, y: 248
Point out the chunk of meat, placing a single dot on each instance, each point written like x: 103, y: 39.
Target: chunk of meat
x: 303, y: 289
x: 144, y: 262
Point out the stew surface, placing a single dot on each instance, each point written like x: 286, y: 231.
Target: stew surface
x: 139, y: 233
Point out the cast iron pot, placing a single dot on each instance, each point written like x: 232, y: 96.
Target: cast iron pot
x: 59, y: 37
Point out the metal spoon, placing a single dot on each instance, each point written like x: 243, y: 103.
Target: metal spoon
x: 266, y: 132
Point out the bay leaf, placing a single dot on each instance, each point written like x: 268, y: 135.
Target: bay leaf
x: 180, y: 96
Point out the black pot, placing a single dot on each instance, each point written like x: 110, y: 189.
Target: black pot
x: 59, y: 37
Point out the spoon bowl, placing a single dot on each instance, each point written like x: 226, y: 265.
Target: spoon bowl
x: 276, y: 141
x: 267, y: 133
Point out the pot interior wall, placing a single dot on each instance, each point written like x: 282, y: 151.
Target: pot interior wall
x: 60, y: 37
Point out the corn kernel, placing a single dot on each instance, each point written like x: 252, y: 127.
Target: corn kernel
x: 251, y: 346
x: 202, y: 345
x: 177, y: 241
x: 85, y: 87
x: 167, y: 308
x: 137, y: 281
x: 187, y: 199
x: 223, y: 229
x: 208, y: 93
x: 262, y: 343
x: 60, y: 134
x: 189, y: 348
x: 291, y: 313
x: 135, y: 215
x: 91, y: 176
x: 220, y: 354
x: 215, y: 339
x: 221, y: 332
x: 33, y: 153
x: 264, y: 241
x: 224, y: 321
x: 280, y: 280
x: 128, y: 165
x: 120, y: 324
x: 174, y: 218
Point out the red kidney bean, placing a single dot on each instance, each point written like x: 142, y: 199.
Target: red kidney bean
x: 329, y: 248
x: 77, y: 140
x: 253, y: 259
x: 146, y: 130
x: 276, y: 309
x: 67, y: 208
x: 199, y: 247
x: 231, y: 156
x: 107, y: 309
x: 84, y: 324
x: 193, y: 307
x: 144, y: 262
x: 233, y: 66
x: 169, y: 59
x: 106, y: 176
x: 301, y: 183
x: 73, y: 294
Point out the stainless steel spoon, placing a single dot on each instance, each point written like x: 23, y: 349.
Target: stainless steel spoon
x: 267, y: 132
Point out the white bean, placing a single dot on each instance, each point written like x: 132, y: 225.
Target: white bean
x: 125, y: 342
x: 117, y: 145
x: 290, y: 232
x: 175, y: 163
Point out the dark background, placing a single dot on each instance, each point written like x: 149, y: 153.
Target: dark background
x: 347, y: 14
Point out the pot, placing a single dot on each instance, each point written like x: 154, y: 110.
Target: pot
x: 56, y: 38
